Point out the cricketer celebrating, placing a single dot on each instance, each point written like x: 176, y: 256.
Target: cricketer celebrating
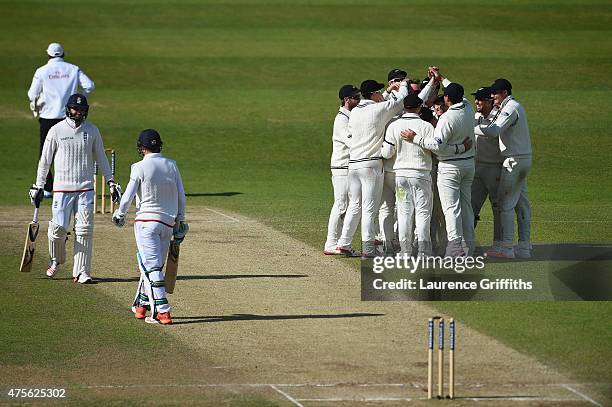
x: 456, y: 167
x: 412, y: 168
x: 510, y: 125
x: 349, y: 97
x: 488, y: 162
x: 156, y: 183
x: 73, y: 145
x: 367, y: 127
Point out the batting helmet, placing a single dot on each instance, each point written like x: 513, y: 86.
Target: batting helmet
x: 149, y: 139
x: 77, y: 102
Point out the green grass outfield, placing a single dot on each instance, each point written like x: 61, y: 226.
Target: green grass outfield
x: 244, y: 95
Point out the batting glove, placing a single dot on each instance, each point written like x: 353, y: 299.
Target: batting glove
x: 180, y: 230
x: 116, y: 191
x: 36, y: 195
x: 118, y: 218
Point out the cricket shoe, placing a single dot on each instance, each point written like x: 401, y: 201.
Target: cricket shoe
x: 501, y: 252
x: 52, y: 269
x: 523, y: 250
x: 331, y: 252
x: 163, y: 318
x: 139, y: 312
x: 348, y: 251
x: 83, y: 278
x: 521, y: 253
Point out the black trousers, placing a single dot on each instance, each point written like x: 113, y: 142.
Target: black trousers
x: 45, y: 125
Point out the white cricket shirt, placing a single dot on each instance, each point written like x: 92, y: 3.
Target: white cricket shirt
x: 367, y: 128
x: 453, y: 127
x: 510, y: 125
x: 156, y: 183
x: 340, y: 142
x: 487, y: 148
x: 411, y: 160
x: 73, y: 151
x: 57, y: 80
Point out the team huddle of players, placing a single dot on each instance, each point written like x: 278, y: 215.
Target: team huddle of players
x: 416, y: 167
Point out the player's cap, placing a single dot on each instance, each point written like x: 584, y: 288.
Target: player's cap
x: 150, y: 139
x: 501, y: 84
x: 370, y: 86
x: 55, y: 50
x: 412, y: 101
x: 348, y: 90
x: 77, y: 101
x: 396, y: 73
x: 482, y: 94
x: 454, y: 91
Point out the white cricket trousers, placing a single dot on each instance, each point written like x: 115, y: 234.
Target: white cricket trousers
x: 365, y: 189
x: 513, y: 198
x: 153, y: 241
x: 455, y: 189
x: 414, y: 197
x: 486, y: 183
x: 79, y: 204
x: 386, y: 214
x: 338, y: 211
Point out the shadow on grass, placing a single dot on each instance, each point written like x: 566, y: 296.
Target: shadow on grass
x: 196, y: 194
x: 103, y: 280
x: 254, y: 317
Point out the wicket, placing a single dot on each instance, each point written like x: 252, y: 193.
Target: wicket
x: 103, y: 205
x: 451, y: 358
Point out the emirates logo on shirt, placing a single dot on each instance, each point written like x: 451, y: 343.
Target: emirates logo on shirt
x: 58, y: 75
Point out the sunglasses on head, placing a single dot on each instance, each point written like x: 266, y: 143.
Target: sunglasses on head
x: 396, y: 80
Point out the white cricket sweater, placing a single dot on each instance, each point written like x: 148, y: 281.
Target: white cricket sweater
x: 156, y: 183
x: 411, y: 160
x: 340, y: 143
x: 510, y: 125
x: 453, y: 127
x: 57, y: 80
x: 73, y: 152
x: 487, y: 148
x: 367, y: 128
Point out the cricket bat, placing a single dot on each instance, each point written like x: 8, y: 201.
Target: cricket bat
x: 172, y: 266
x: 30, y: 243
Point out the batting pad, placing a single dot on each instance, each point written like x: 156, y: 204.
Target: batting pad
x: 57, y: 242
x: 83, y: 244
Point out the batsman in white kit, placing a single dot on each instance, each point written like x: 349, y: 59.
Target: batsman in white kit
x: 156, y: 183
x: 73, y: 146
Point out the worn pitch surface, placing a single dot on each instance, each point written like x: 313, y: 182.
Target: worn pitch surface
x: 273, y: 318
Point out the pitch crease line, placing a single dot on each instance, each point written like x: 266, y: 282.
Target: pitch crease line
x: 291, y: 399
x: 222, y: 214
x: 584, y: 396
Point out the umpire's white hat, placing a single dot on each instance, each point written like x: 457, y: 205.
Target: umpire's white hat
x: 55, y: 50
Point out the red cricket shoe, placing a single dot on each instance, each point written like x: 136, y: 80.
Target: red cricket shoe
x: 140, y: 312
